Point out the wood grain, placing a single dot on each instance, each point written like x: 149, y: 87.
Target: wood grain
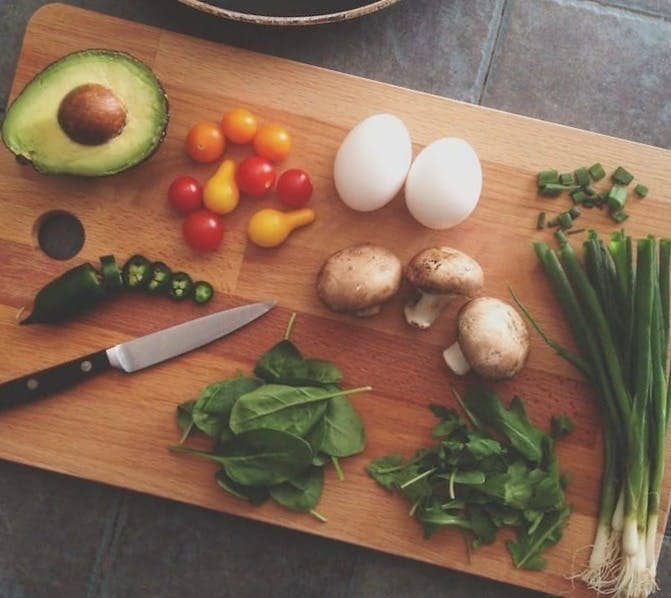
x: 115, y: 429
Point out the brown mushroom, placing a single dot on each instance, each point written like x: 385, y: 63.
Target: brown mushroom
x: 440, y: 274
x: 493, y: 340
x: 91, y: 114
x: 359, y: 279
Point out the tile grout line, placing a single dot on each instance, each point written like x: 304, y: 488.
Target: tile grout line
x: 627, y: 9
x: 108, y: 544
x: 492, y: 52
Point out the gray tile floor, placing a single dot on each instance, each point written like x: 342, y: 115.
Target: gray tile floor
x: 603, y: 65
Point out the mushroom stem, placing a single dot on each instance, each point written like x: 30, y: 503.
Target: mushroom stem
x: 456, y: 360
x: 424, y: 312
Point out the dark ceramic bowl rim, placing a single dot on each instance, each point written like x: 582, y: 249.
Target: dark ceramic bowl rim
x: 300, y: 20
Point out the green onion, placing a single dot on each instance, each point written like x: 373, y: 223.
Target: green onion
x: 617, y: 197
x: 566, y: 178
x: 591, y: 191
x: 579, y: 197
x: 597, y: 172
x: 547, y: 177
x: 565, y: 220
x: 540, y: 222
x: 641, y: 190
x: 561, y: 237
x: 622, y: 176
x: 555, y: 189
x: 574, y: 212
x: 588, y: 203
x: 619, y: 316
x: 582, y: 177
x: 619, y: 216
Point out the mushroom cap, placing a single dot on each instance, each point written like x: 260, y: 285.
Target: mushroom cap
x: 359, y: 278
x: 493, y: 337
x: 445, y: 271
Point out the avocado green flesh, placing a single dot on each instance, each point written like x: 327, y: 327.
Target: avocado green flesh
x: 31, y: 129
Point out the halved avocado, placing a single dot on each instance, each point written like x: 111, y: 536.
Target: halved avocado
x: 91, y: 113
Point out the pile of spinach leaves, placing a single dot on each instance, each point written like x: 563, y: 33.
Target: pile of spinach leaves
x: 275, y: 431
x: 501, y: 471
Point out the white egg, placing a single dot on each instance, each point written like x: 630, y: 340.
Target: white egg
x: 444, y: 183
x: 372, y: 162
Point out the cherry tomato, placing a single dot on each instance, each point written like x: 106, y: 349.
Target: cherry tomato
x: 255, y: 176
x: 203, y: 230
x: 294, y: 187
x: 185, y: 194
x: 205, y: 142
x: 273, y: 142
x: 239, y: 125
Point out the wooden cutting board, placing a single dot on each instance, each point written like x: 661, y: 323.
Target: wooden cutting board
x: 115, y: 429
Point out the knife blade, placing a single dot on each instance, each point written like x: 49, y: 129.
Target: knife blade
x: 132, y: 355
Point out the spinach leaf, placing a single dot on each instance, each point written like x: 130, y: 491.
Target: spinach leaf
x: 450, y: 421
x: 185, y: 419
x: 480, y: 447
x: 343, y: 429
x: 212, y: 410
x: 280, y: 407
x: 528, y: 546
x: 260, y: 457
x: 302, y: 492
x: 484, y: 529
x: 511, y: 423
x: 561, y: 425
x: 284, y: 364
x: 385, y: 470
x: 254, y: 494
x: 511, y: 488
x: 434, y: 515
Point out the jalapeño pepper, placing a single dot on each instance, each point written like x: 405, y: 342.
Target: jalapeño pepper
x: 181, y: 286
x: 160, y: 278
x: 136, y: 273
x: 72, y: 292
x: 202, y: 292
x: 112, y: 280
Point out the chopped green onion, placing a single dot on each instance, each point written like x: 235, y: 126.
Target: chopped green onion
x: 540, y: 223
x: 566, y: 178
x: 547, y: 177
x: 641, y: 190
x: 588, y: 203
x: 574, y: 212
x: 591, y: 191
x: 555, y: 189
x: 622, y: 176
x: 553, y: 222
x: 619, y: 216
x: 582, y: 176
x: 617, y: 197
x: 597, y: 172
x: 579, y: 197
x: 565, y: 220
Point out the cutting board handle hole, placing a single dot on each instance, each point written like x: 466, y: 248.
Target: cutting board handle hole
x: 59, y: 234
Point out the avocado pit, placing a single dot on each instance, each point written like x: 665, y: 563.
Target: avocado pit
x: 91, y: 114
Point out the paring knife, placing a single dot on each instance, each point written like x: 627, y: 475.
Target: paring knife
x: 132, y: 355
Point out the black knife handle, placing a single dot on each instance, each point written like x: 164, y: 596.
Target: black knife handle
x: 45, y: 382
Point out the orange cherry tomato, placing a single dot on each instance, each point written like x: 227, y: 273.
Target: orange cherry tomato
x: 272, y: 142
x: 239, y: 125
x: 205, y: 142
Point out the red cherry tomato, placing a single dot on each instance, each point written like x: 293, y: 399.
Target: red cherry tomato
x: 294, y: 187
x: 185, y: 194
x: 255, y: 176
x: 203, y: 230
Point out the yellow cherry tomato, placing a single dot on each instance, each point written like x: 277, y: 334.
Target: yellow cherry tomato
x: 220, y: 194
x: 269, y: 228
x: 239, y: 125
x: 272, y: 142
